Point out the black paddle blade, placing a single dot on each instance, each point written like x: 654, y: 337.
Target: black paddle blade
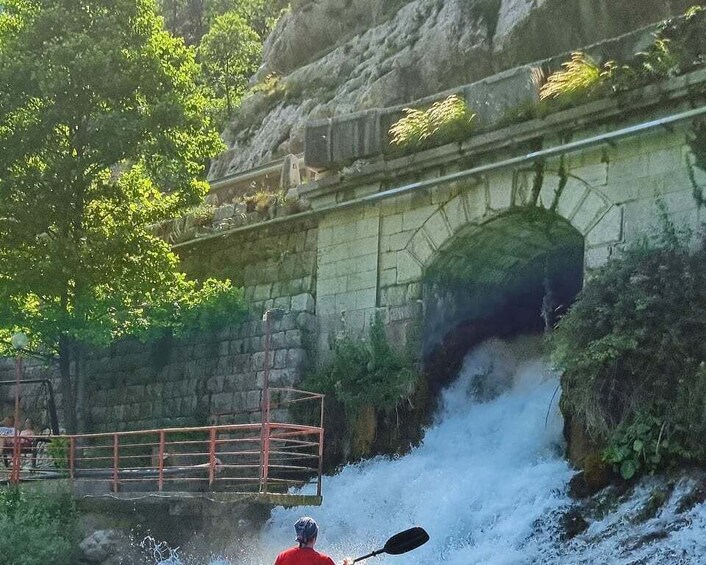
x: 406, y: 541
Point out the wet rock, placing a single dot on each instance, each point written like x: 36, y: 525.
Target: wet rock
x: 696, y: 495
x: 572, y: 523
x: 109, y: 547
x: 595, y: 476
x: 654, y: 503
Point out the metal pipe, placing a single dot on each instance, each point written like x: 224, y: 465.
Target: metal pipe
x: 602, y: 139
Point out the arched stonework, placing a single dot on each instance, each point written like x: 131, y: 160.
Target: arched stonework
x: 582, y: 205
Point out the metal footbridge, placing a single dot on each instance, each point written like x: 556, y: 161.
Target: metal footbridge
x: 266, y: 461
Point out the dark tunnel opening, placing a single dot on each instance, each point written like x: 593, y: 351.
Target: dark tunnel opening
x: 514, y: 276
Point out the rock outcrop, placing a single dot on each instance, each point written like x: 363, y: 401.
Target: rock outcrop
x: 332, y: 57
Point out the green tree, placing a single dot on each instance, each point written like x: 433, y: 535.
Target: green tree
x: 261, y: 15
x: 184, y: 18
x: 230, y: 52
x: 104, y: 131
x: 192, y: 19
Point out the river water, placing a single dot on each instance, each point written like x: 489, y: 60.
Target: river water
x: 489, y: 485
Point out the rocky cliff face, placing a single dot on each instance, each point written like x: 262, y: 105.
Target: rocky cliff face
x: 332, y: 57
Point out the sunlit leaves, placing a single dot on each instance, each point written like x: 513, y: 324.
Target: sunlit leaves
x: 104, y: 130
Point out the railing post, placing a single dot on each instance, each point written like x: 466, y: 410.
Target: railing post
x: 265, y: 457
x: 16, y: 454
x: 116, y: 461
x: 211, y: 456
x: 264, y: 430
x: 72, y: 456
x: 321, y: 449
x: 277, y: 314
x: 160, y: 480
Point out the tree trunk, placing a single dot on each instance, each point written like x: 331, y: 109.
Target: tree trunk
x: 68, y: 407
x: 80, y: 382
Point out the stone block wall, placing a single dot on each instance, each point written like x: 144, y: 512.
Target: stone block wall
x: 607, y: 195
x: 218, y: 376
x: 211, y: 377
x: 32, y: 396
x: 347, y: 273
x: 276, y: 265
x: 333, y: 269
x: 198, y: 380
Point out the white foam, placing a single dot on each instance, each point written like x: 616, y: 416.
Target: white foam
x: 487, y: 483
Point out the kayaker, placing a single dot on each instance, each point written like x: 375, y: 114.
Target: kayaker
x: 307, y: 531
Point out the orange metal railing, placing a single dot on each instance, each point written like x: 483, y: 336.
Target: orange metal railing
x: 267, y: 456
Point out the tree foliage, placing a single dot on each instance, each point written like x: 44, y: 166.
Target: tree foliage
x: 229, y: 36
x: 192, y: 19
x: 230, y: 53
x: 104, y: 131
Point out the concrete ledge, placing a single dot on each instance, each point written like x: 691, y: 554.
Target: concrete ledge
x: 343, y: 139
x: 617, y: 109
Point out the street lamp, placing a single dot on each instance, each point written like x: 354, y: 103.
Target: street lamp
x: 19, y: 343
x: 269, y: 315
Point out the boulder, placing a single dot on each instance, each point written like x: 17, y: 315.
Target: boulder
x: 108, y: 547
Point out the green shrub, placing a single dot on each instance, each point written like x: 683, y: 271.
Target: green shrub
x: 645, y: 444
x: 37, y: 529
x: 444, y: 122
x: 210, y: 306
x: 203, y: 214
x: 364, y: 374
x: 58, y: 449
x: 271, y: 86
x: 632, y: 354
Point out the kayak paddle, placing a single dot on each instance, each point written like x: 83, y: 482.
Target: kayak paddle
x: 401, y: 543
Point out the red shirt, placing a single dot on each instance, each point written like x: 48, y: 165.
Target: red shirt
x: 303, y: 556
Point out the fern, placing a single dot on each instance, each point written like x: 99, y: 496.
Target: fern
x: 581, y: 75
x: 445, y: 121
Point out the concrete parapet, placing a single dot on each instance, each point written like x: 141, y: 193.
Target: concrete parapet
x: 334, y: 142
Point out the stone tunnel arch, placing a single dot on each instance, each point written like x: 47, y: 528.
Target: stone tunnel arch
x: 513, y: 274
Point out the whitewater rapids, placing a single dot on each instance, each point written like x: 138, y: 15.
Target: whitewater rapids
x: 489, y: 484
